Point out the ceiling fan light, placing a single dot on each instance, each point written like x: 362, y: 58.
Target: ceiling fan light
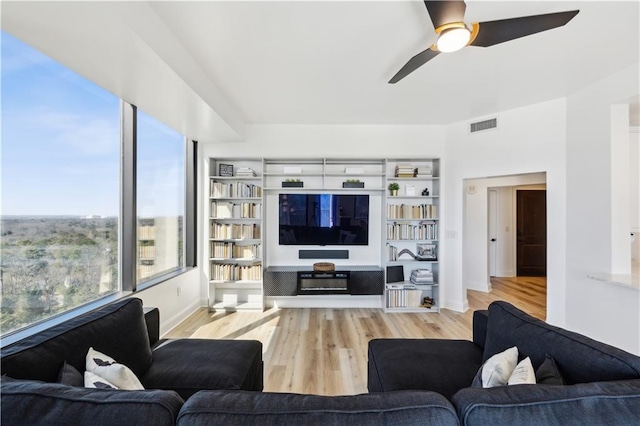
x: 453, y: 39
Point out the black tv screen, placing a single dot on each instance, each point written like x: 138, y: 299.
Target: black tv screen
x: 324, y: 219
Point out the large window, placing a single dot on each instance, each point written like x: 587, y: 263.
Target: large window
x: 89, y: 206
x: 160, y: 198
x: 60, y: 188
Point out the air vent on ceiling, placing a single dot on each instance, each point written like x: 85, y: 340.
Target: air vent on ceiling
x: 480, y: 126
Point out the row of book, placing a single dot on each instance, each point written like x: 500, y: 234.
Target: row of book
x: 233, y: 272
x: 146, y: 252
x: 403, y: 296
x: 227, y: 210
x: 228, y: 250
x: 409, y: 231
x: 407, y: 211
x: 146, y: 232
x: 234, y: 231
x: 235, y: 190
x: 421, y: 276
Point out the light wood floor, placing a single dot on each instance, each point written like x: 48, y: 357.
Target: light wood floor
x: 324, y: 351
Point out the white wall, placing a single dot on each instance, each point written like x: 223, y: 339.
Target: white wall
x: 634, y: 190
x: 176, y: 298
x: 529, y: 140
x: 476, y: 227
x: 601, y: 310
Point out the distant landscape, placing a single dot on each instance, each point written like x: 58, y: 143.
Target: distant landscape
x: 49, y: 264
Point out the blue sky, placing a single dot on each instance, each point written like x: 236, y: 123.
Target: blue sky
x: 60, y: 143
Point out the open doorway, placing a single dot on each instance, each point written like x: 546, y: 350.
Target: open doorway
x: 494, y: 260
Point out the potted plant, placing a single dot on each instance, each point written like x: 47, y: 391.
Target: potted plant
x: 353, y: 183
x: 292, y: 183
x: 393, y: 188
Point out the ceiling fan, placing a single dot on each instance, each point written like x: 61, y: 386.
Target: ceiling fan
x: 454, y: 34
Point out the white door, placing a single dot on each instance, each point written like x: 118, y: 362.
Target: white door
x: 493, y: 231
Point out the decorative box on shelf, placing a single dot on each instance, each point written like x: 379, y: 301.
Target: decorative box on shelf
x: 292, y: 184
x: 352, y: 184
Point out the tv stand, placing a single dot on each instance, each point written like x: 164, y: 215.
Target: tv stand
x: 365, y: 288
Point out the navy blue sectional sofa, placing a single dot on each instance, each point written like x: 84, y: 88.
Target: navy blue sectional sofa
x: 225, y: 376
x: 193, y: 382
x: 601, y: 383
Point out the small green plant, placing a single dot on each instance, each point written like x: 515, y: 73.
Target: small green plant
x: 353, y: 180
x: 394, y: 186
x: 292, y: 180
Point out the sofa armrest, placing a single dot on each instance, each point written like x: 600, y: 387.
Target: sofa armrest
x: 596, y: 403
x: 480, y: 320
x: 28, y: 402
x: 152, y: 318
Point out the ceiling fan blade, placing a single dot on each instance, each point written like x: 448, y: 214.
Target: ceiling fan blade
x: 414, y: 63
x: 495, y: 32
x: 444, y: 12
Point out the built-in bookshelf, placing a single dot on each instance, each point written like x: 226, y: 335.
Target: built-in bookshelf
x: 412, y: 235
x: 146, y: 248
x: 235, y: 234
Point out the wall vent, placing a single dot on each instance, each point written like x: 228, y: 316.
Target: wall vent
x: 480, y: 126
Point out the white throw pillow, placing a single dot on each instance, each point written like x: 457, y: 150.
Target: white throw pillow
x: 94, y: 381
x: 113, y: 372
x: 497, y: 369
x: 523, y: 374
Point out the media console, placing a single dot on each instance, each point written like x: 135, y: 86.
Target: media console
x: 364, y: 282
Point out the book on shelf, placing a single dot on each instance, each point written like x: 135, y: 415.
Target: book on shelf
x: 404, y: 171
x: 245, y: 172
x: 421, y: 276
x: 423, y: 171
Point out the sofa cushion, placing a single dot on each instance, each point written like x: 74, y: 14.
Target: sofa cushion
x: 92, y: 380
x: 602, y: 403
x: 580, y: 358
x: 27, y: 402
x: 70, y: 376
x: 118, y: 329
x: 442, y: 366
x: 497, y: 370
x: 190, y: 365
x: 106, y: 367
x: 523, y: 374
x: 400, y: 408
x: 548, y: 373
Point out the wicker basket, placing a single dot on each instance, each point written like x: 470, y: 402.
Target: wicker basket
x: 324, y: 267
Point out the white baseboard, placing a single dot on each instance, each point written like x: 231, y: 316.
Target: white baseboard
x: 171, y: 323
x: 326, y: 301
x: 484, y: 286
x: 457, y: 305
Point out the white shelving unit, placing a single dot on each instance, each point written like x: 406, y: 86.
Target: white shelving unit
x: 235, y: 235
x: 412, y: 223
x: 324, y: 174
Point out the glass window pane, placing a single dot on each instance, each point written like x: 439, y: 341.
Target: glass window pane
x: 160, y: 198
x: 60, y: 188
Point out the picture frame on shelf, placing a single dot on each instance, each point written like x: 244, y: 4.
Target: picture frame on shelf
x: 427, y: 251
x: 225, y: 170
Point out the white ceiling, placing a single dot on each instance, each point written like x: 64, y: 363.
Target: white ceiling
x: 328, y: 62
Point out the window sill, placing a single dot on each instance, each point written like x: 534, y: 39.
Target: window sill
x: 37, y: 327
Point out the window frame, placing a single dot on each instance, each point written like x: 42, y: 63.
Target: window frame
x: 127, y: 244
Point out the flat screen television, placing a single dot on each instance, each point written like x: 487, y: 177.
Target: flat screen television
x: 324, y: 219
